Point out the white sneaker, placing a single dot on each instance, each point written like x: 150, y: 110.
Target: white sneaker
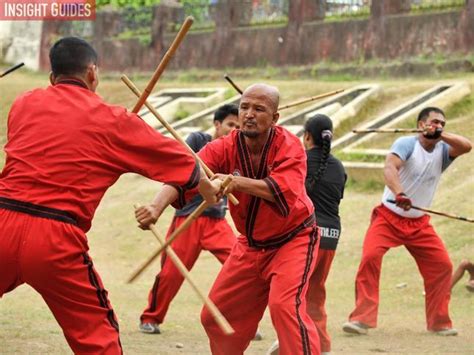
x: 355, y: 328
x: 274, y: 349
x: 446, y: 332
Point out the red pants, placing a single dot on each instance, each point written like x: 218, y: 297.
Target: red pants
x: 205, y: 233
x: 249, y: 280
x: 52, y: 258
x: 388, y: 230
x: 316, y: 296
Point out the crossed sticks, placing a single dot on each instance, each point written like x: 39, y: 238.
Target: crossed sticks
x: 142, y: 97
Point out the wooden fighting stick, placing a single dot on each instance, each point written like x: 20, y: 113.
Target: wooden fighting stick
x: 13, y: 68
x: 219, y: 318
x: 167, y: 243
x: 164, y: 62
x: 444, y: 214
x: 173, y: 132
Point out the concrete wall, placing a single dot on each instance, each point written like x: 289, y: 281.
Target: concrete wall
x: 392, y: 37
x: 20, y: 42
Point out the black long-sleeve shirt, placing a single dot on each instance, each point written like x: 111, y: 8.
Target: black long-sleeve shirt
x: 326, y: 194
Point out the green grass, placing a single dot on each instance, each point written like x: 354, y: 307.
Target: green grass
x: 118, y: 246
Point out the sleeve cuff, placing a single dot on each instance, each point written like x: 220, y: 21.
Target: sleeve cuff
x: 280, y: 201
x: 192, y: 183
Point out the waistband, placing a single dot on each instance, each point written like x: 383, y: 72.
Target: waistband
x: 396, y: 218
x: 37, y: 210
x: 277, y: 242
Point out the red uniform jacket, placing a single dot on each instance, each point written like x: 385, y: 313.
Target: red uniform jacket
x: 66, y: 146
x: 283, y: 168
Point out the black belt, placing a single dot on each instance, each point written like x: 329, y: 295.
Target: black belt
x: 37, y: 210
x: 283, y: 239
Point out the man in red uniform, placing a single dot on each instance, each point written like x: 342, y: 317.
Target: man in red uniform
x: 275, y: 253
x: 65, y: 148
x: 210, y: 231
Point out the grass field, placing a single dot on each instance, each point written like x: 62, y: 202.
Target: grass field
x: 117, y: 246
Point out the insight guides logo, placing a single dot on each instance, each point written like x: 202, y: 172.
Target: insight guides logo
x: 66, y: 10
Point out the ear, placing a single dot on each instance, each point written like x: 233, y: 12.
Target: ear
x: 52, y: 78
x: 92, y: 76
x: 276, y: 116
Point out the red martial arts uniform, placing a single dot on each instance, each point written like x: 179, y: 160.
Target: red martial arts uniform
x: 210, y: 231
x: 275, y: 253
x: 65, y: 148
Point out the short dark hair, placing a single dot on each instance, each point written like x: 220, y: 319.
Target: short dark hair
x: 423, y: 115
x: 224, y: 111
x: 71, y: 55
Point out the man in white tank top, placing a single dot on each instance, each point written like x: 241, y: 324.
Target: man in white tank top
x: 412, y: 172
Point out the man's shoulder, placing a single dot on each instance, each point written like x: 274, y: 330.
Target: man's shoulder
x: 406, y: 140
x: 403, y: 147
x: 28, y: 94
x: 285, y: 137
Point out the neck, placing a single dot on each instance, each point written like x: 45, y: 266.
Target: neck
x: 427, y: 144
x: 256, y: 144
x: 72, y: 78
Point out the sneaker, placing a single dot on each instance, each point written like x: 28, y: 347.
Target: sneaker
x: 274, y: 349
x: 446, y: 332
x: 149, y: 328
x: 258, y: 336
x: 354, y: 327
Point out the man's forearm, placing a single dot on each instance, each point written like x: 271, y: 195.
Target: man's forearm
x: 167, y: 195
x: 253, y: 187
x: 459, y: 144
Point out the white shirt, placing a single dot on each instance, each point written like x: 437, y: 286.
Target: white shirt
x: 419, y: 175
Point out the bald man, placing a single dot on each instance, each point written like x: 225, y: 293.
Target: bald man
x: 274, y: 256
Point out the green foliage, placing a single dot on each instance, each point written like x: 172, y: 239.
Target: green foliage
x: 363, y: 13
x: 430, y: 6
x: 461, y: 108
x: 366, y: 158
x: 181, y: 114
x: 364, y: 185
x: 229, y: 93
x: 126, y: 3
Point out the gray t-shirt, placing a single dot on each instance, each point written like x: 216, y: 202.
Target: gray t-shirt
x: 419, y: 175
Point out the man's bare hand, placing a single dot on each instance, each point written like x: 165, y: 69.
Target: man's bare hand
x: 231, y: 187
x: 432, y: 132
x: 146, y: 215
x: 211, y: 191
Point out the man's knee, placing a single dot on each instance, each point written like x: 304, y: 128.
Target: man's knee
x: 446, y: 265
x: 372, y: 257
x: 280, y: 308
